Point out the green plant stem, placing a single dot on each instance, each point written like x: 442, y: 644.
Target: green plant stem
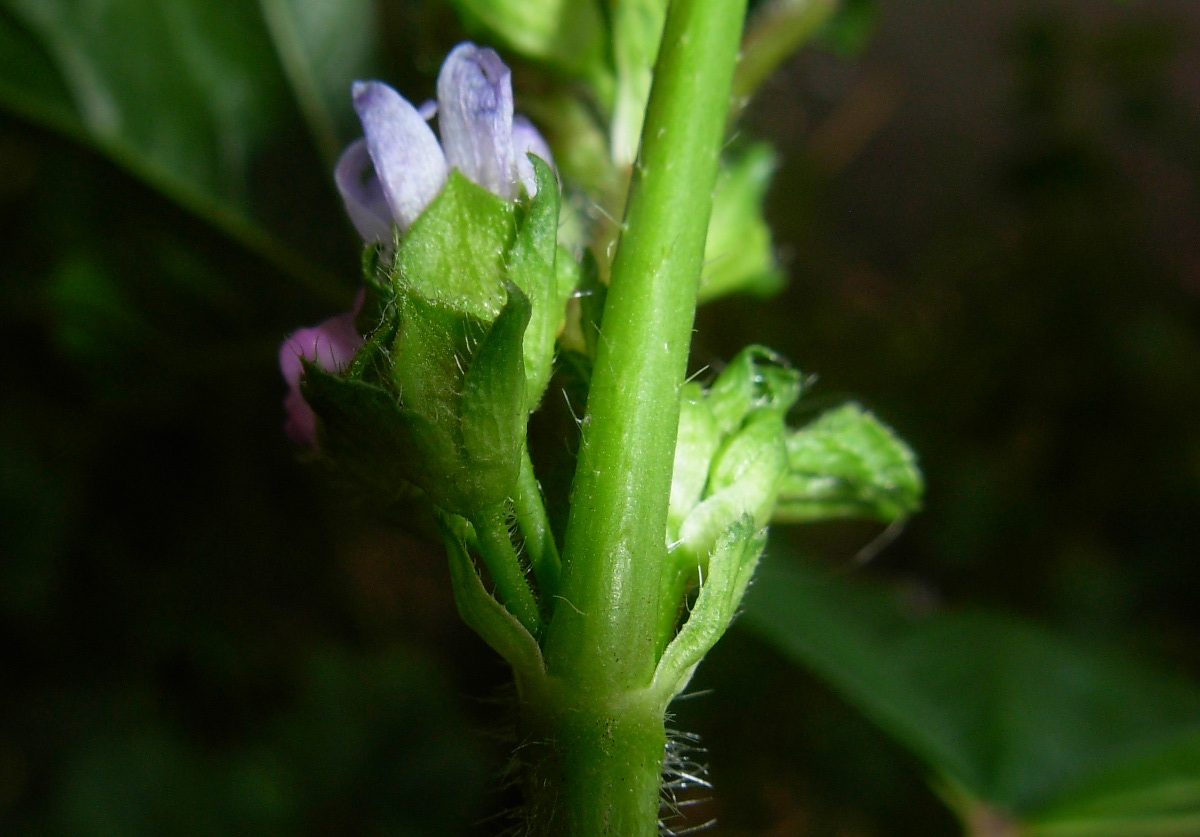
x: 594, y: 733
x: 602, y: 633
x: 594, y: 765
x: 504, y: 566
x: 535, y: 528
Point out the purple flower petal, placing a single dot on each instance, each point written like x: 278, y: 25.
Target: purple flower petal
x: 527, y: 140
x: 475, y: 118
x: 362, y: 193
x: 332, y: 345
x: 301, y: 422
x: 408, y: 160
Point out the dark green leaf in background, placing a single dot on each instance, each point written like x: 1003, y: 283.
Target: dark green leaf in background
x: 324, y: 45
x: 1002, y: 712
x: 188, y: 96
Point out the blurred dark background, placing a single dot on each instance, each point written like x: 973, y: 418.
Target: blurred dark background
x: 990, y: 215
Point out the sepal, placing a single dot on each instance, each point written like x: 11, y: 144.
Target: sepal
x: 363, y: 432
x: 695, y: 446
x: 461, y: 387
x: 454, y: 252
x: 533, y: 267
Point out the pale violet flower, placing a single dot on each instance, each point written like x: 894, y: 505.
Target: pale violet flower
x: 390, y: 175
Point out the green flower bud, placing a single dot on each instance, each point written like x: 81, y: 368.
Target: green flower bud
x: 730, y: 459
x: 848, y: 464
x: 744, y: 481
x: 757, y: 379
x: 696, y: 445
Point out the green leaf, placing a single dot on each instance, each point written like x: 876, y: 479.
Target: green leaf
x: 738, y: 256
x: 1153, y: 793
x: 569, y: 35
x: 848, y: 464
x: 323, y: 46
x: 1001, y: 710
x: 773, y: 34
x: 184, y: 95
x: 851, y: 27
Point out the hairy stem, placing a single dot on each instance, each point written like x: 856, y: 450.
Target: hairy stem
x: 602, y: 633
x: 530, y: 510
x: 594, y: 731
x: 504, y: 566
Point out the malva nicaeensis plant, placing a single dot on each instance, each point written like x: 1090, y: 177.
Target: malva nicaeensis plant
x: 477, y: 274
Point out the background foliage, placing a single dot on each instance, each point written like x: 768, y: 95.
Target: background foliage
x: 989, y: 211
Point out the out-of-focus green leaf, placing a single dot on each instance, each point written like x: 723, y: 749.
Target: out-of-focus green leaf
x: 367, y: 743
x: 1000, y: 710
x: 569, y: 35
x: 851, y: 26
x: 323, y: 45
x: 774, y: 32
x: 637, y: 27
x: 848, y: 464
x: 1155, y: 792
x: 184, y: 95
x: 738, y: 253
x: 182, y: 91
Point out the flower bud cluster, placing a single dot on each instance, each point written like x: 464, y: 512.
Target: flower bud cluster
x: 443, y: 367
x: 730, y: 461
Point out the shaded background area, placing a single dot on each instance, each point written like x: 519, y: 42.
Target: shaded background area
x: 991, y: 217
